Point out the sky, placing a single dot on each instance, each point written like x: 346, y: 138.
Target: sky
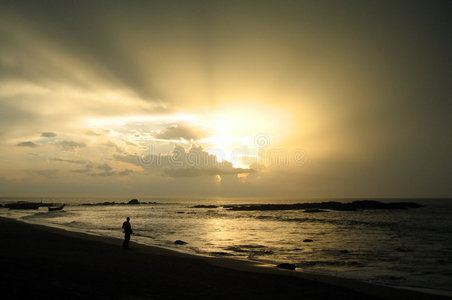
x: 288, y: 99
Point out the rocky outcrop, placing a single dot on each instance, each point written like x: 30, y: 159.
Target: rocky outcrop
x: 333, y: 205
x: 27, y: 205
x: 131, y: 202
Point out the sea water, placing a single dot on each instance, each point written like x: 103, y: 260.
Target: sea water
x: 407, y: 248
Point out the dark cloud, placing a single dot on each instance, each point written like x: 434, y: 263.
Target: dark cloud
x: 183, y: 132
x: 48, y: 134
x: 70, y: 145
x: 50, y: 174
x: 104, y: 174
x: 125, y: 172
x: 91, y: 169
x: 104, y: 167
x: 27, y: 144
x: 71, y: 161
x: 80, y: 171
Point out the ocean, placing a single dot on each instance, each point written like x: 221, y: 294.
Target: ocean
x: 405, y: 248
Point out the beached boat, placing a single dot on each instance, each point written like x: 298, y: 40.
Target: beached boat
x: 55, y: 208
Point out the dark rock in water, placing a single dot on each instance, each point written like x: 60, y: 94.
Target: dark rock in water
x: 307, y: 240
x: 27, y: 205
x: 334, y: 205
x: 314, y: 210
x: 287, y: 266
x: 181, y: 212
x: 133, y: 201
x: 205, y: 206
x: 343, y: 251
x: 179, y: 242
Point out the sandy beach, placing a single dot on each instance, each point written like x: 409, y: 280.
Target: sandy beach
x: 43, y: 262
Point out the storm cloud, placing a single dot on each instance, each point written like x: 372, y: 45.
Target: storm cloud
x: 361, y: 88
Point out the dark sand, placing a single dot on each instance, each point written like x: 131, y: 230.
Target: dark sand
x: 39, y: 262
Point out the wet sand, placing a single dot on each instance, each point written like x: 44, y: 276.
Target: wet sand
x: 42, y: 262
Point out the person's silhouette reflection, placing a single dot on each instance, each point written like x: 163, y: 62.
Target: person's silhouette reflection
x: 127, y: 232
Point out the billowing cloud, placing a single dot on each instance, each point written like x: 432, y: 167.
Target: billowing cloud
x: 27, y: 144
x: 183, y: 132
x: 180, y: 163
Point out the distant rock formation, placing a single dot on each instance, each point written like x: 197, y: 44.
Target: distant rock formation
x: 339, y: 206
x: 27, y: 205
x: 133, y: 202
x: 307, y: 241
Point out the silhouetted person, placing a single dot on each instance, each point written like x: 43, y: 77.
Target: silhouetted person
x: 127, y: 232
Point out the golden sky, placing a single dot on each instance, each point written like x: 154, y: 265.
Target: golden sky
x: 289, y: 99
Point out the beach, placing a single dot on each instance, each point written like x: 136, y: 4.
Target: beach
x: 44, y: 262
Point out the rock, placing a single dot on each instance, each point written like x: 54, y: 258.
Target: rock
x: 333, y: 205
x: 179, y: 242
x: 133, y: 201
x: 24, y: 205
x: 181, y: 212
x: 205, y: 206
x: 343, y: 251
x: 307, y: 240
x: 287, y: 266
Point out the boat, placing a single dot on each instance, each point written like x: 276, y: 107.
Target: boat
x: 55, y: 208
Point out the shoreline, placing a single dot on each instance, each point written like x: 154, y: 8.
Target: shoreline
x: 219, y: 264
